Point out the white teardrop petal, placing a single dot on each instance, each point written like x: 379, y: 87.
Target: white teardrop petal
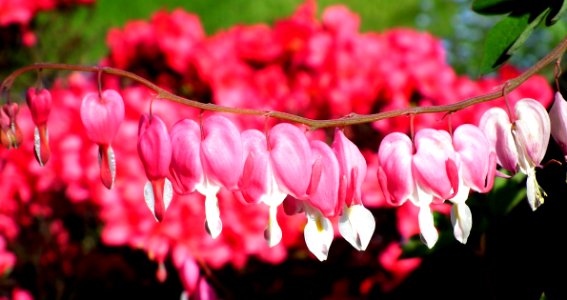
x: 150, y: 198
x: 212, y: 213
x: 357, y: 226
x: 429, y: 233
x: 37, y: 145
x: 461, y: 218
x: 273, y: 233
x: 167, y: 193
x: 318, y: 234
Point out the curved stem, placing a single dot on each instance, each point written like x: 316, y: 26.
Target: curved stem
x: 351, y: 119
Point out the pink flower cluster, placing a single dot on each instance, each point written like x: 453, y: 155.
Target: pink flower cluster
x: 213, y: 169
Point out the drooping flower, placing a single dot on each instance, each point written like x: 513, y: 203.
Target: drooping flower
x: 477, y: 166
x: 10, y: 134
x: 356, y: 223
x: 258, y: 182
x: 154, y: 149
x: 221, y: 158
x: 323, y: 201
x: 186, y: 169
x: 429, y: 175
x: 102, y: 114
x: 558, y: 119
x: 521, y: 144
x: 39, y: 103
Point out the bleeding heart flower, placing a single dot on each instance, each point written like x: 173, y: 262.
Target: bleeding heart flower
x: 356, y: 223
x: 476, y: 171
x: 11, y: 135
x: 395, y: 176
x: 186, y: 169
x: 221, y: 158
x: 154, y: 149
x: 258, y: 183
x: 39, y: 103
x: 291, y: 158
x: 520, y: 145
x: 558, y: 118
x: 102, y: 115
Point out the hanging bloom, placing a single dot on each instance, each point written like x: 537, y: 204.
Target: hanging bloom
x: 558, y: 119
x: 258, y: 182
x: 520, y: 145
x: 102, y: 114
x: 39, y: 103
x: 323, y: 201
x: 356, y: 223
x: 221, y: 158
x: 429, y: 175
x: 186, y: 169
x: 154, y: 149
x: 477, y: 166
x: 10, y: 135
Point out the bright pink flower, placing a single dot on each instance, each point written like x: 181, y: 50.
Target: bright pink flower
x: 102, y: 115
x: 39, y: 103
x: 221, y: 158
x: 477, y: 166
x: 558, y: 118
x: 154, y: 149
x: 291, y: 158
x: 324, y: 185
x: 186, y: 169
x: 356, y: 223
x: 435, y: 164
x: 395, y: 174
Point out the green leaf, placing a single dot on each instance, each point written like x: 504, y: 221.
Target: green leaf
x: 507, y: 36
x: 499, y: 40
x: 527, y: 31
x: 557, y: 7
x: 493, y: 7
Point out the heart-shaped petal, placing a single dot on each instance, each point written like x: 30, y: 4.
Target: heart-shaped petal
x: 395, y: 168
x: 558, y: 118
x: 221, y: 152
x: 39, y: 102
x: 154, y: 147
x: 291, y: 158
x: 102, y: 115
x: 352, y: 167
x: 496, y: 126
x: 324, y: 187
x: 185, y: 168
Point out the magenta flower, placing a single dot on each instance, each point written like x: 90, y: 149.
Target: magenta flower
x: 186, y: 169
x: 258, y: 182
x: 323, y: 201
x: 154, y: 149
x: 102, y: 115
x: 39, y: 103
x: 356, y: 223
x: 520, y: 145
x: 221, y: 158
x: 291, y: 157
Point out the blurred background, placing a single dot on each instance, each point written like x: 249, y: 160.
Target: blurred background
x: 63, y: 236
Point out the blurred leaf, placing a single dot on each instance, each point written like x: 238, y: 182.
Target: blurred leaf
x: 507, y: 193
x: 506, y: 37
x: 528, y: 31
x: 557, y: 8
x: 493, y: 7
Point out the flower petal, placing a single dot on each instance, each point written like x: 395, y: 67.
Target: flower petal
x: 395, y: 168
x: 318, y: 234
x: 461, y: 218
x: 185, y: 168
x: 357, y: 226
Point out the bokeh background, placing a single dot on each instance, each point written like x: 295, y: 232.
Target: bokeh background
x: 63, y: 236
